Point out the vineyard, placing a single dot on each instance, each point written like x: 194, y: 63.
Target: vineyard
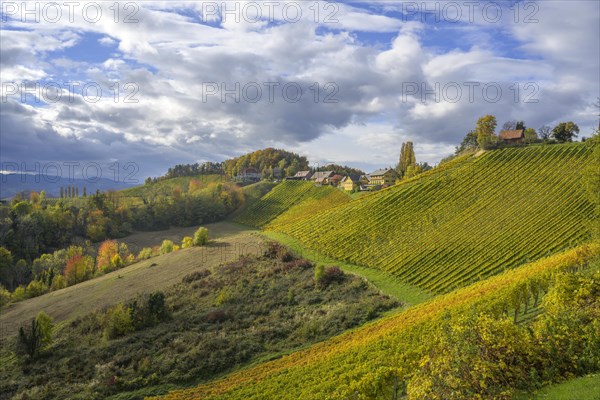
x: 457, y: 224
x: 290, y: 201
x: 361, y: 363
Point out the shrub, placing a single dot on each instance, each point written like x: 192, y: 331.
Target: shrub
x: 145, y: 253
x: 19, y: 293
x: 4, y: 296
x: 118, y: 322
x: 116, y: 261
x: 149, y: 310
x: 35, y: 288
x: 58, y: 282
x: 278, y: 251
x: 201, y: 237
x: 187, y: 242
x: 333, y: 274
x: 301, y: 263
x: 166, y: 247
x: 216, y: 316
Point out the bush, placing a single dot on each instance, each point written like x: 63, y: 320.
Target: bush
x: 116, y: 261
x: 19, y: 293
x: 333, y: 274
x: 4, y: 296
x: 187, y: 242
x: 201, y: 237
x: 145, y: 253
x: 278, y: 251
x: 58, y: 282
x: 118, y: 322
x: 149, y: 310
x: 35, y: 288
x: 166, y: 247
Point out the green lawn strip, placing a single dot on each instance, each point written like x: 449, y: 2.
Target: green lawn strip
x: 583, y: 388
x: 388, y: 284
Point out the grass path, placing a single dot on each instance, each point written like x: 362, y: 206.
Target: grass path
x: 388, y: 284
x: 145, y: 276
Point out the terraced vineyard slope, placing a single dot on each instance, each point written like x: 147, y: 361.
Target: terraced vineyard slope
x: 459, y: 223
x: 291, y: 200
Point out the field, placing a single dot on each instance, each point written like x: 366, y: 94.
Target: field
x: 360, y: 361
x: 289, y: 201
x: 462, y: 222
x: 149, y: 275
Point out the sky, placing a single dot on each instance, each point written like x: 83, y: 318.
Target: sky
x: 136, y: 87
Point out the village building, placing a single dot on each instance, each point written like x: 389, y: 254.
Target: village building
x: 383, y: 177
x: 512, y: 137
x: 300, y: 176
x: 249, y: 175
x: 322, y: 177
x: 354, y: 182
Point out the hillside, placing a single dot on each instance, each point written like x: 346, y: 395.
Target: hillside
x: 466, y: 220
x: 216, y: 319
x: 290, y: 200
x: 368, y: 362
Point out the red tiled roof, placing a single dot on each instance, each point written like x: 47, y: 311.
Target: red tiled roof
x: 516, y: 134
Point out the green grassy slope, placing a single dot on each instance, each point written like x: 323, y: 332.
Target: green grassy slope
x: 584, y: 388
x: 462, y: 222
x: 291, y: 200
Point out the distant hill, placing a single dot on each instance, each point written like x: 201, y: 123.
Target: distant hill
x: 11, y: 184
x: 469, y: 219
x: 165, y: 187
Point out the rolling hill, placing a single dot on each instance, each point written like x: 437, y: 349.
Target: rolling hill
x: 464, y: 221
x: 291, y: 200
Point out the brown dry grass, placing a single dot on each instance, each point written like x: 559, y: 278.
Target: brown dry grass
x: 157, y: 273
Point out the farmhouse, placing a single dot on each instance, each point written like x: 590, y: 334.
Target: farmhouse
x: 335, y: 180
x: 300, y: 176
x: 381, y: 177
x: 322, y: 177
x: 354, y: 182
x: 512, y: 137
x: 249, y: 175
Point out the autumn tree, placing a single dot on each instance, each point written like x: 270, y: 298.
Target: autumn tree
x: 408, y: 159
x: 485, y: 131
x: 565, y: 131
x: 106, y: 253
x: 79, y: 268
x: 544, y: 132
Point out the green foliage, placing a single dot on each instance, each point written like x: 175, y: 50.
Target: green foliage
x: 265, y: 159
x: 565, y: 131
x: 31, y: 341
x: 4, y: 296
x: 407, y: 161
x: 485, y: 131
x: 200, y: 237
x: 36, y: 288
x: 531, y: 135
x: 466, y: 220
x: 118, y: 322
x: 149, y: 310
x: 166, y: 247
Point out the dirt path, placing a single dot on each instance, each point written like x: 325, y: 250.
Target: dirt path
x: 146, y: 276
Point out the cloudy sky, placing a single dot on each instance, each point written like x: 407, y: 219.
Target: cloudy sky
x: 160, y: 83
